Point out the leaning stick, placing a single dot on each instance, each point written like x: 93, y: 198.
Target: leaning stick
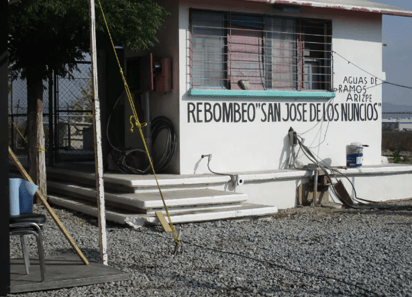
x: 55, y: 218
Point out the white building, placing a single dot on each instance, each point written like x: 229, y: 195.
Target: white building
x: 244, y: 72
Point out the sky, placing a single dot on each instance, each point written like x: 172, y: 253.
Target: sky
x: 397, y: 56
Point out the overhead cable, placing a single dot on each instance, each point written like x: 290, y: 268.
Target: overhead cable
x: 383, y: 81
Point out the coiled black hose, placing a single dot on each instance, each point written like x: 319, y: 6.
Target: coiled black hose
x: 127, y: 160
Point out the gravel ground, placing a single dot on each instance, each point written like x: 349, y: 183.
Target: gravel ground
x: 298, y: 252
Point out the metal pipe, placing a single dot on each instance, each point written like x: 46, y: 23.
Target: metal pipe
x: 148, y: 136
x: 56, y: 118
x: 11, y: 113
x: 51, y: 138
x: 315, y: 186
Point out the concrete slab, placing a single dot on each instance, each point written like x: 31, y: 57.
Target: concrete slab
x: 131, y: 181
x: 62, y: 271
x: 150, y: 200
x: 139, y: 220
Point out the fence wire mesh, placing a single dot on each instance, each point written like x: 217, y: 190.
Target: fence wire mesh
x: 69, y: 131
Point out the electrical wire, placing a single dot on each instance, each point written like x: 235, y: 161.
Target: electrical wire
x: 270, y: 264
x: 126, y: 159
x: 310, y: 155
x: 383, y: 81
x: 209, y: 157
x: 331, y: 174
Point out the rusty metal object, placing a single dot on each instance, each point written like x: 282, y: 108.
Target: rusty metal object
x: 344, y: 195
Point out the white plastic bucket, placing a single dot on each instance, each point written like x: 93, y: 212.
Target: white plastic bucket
x: 354, y: 154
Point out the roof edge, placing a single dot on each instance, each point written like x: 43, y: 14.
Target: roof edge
x: 404, y: 13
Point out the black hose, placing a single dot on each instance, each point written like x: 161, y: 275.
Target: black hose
x: 126, y: 159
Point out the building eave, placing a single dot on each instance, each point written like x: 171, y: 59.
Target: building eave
x: 374, y: 7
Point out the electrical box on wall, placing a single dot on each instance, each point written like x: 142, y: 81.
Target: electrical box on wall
x: 150, y: 74
x: 163, y: 76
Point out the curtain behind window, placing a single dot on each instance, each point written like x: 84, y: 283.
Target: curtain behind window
x: 245, y: 50
x: 280, y: 57
x: 208, y: 49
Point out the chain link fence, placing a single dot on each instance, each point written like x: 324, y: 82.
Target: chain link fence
x: 69, y: 130
x: 74, y: 124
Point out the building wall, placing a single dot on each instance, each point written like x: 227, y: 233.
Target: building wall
x: 261, y: 145
x: 162, y: 104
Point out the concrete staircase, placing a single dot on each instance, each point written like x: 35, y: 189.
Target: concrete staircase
x: 134, y: 199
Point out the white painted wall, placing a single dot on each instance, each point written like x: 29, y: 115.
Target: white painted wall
x: 256, y: 146
x: 376, y: 183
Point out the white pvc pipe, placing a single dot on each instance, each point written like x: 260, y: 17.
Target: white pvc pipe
x: 98, y: 140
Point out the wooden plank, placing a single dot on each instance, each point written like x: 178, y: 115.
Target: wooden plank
x: 162, y: 221
x: 98, y: 153
x: 43, y: 200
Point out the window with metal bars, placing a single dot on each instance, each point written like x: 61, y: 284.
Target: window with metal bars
x: 257, y: 52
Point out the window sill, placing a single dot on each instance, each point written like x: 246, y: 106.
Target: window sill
x: 263, y: 94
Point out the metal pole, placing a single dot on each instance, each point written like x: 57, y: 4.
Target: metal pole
x: 315, y: 186
x: 11, y: 113
x: 51, y: 155
x: 97, y: 139
x: 146, y: 105
x: 56, y: 120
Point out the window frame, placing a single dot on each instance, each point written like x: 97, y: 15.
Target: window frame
x: 300, y: 82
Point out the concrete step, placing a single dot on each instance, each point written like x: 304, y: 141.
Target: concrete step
x: 137, y: 220
x: 130, y: 183
x: 149, y: 202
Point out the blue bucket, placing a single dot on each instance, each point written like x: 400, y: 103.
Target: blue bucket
x: 27, y: 191
x: 21, y: 194
x: 14, y: 186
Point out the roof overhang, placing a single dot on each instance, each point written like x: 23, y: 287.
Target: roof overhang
x: 351, y: 5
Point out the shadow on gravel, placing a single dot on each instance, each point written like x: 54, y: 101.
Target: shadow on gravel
x: 386, y: 212
x: 231, y: 290
x: 400, y: 224
x: 91, y: 254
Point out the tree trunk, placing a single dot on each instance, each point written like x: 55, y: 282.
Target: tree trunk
x: 37, y: 154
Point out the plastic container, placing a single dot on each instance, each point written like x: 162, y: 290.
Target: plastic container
x: 27, y: 191
x: 354, y: 154
x: 14, y: 186
x: 21, y: 194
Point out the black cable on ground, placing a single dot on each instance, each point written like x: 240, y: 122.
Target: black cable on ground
x: 272, y: 264
x: 127, y: 160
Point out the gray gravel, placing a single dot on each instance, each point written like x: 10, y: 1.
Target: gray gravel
x: 311, y: 252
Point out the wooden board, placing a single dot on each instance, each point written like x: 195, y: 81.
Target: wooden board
x: 162, y: 221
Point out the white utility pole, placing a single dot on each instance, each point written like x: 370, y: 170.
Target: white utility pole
x: 97, y: 140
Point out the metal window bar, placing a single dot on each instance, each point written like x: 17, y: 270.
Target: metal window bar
x: 249, y: 18
x: 194, y: 36
x: 266, y: 31
x: 295, y: 73
x: 226, y: 49
x: 250, y: 62
x: 218, y: 46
